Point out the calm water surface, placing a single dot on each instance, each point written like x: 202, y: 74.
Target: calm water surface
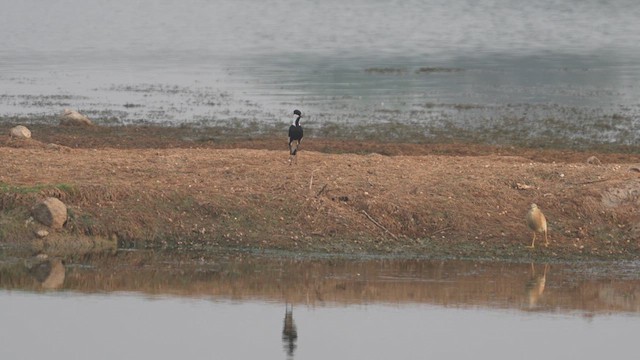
x: 501, y: 70
x: 74, y: 325
x: 164, y: 305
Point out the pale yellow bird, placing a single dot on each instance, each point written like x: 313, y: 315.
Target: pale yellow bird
x: 538, y: 223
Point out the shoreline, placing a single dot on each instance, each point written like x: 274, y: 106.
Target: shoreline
x: 146, y: 187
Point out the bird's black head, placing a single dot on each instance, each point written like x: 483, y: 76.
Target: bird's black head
x: 297, y: 112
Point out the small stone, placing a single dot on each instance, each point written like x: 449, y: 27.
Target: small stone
x: 592, y: 160
x: 42, y: 233
x: 20, y: 132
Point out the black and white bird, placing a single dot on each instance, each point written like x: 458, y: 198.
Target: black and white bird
x: 295, y: 136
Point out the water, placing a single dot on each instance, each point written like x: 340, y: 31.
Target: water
x: 503, y: 71
x: 125, y: 326
x: 234, y: 305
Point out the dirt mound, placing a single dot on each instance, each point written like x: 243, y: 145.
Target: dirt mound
x: 440, y: 205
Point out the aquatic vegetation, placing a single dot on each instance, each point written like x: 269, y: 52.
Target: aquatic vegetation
x: 385, y: 70
x: 430, y: 70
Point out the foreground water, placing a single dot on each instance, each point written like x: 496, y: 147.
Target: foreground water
x: 127, y: 326
x: 499, y: 71
x: 233, y: 305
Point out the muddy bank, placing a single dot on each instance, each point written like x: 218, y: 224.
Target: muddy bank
x: 339, y: 140
x: 148, y: 187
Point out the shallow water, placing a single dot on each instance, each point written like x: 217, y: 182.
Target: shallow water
x: 161, y: 304
x: 508, y: 70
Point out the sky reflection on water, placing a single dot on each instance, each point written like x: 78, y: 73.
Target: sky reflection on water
x: 73, y: 325
x: 145, y: 304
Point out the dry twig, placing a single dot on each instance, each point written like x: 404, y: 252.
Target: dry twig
x: 311, y: 180
x: 379, y: 225
x: 321, y: 190
x: 440, y: 230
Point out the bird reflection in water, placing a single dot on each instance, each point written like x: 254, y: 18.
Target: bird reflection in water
x: 535, y: 286
x: 289, y: 332
x: 49, y: 272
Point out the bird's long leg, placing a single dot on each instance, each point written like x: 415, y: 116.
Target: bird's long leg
x: 297, y: 147
x: 533, y: 241
x: 546, y: 239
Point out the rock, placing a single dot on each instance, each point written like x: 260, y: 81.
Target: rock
x: 57, y: 147
x: 592, y: 160
x: 51, y: 212
x: 622, y: 194
x: 73, y: 118
x: 520, y: 186
x: 61, y: 244
x: 42, y: 233
x: 20, y: 132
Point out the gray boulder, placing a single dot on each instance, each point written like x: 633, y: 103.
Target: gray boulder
x: 50, y: 212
